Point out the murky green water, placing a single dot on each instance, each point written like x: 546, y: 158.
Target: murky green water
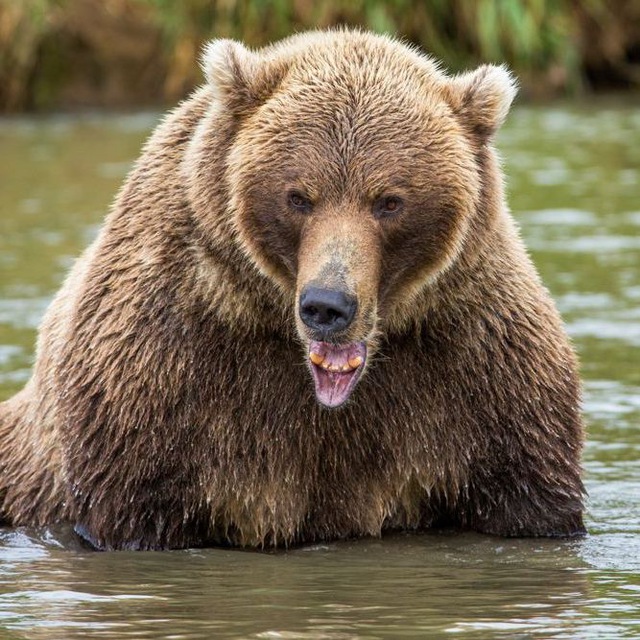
x: 573, y: 182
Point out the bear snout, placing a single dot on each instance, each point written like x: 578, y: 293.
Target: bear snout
x: 326, y: 312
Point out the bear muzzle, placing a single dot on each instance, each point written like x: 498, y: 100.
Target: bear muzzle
x: 336, y: 366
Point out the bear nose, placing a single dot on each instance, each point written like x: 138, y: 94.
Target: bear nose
x: 327, y: 310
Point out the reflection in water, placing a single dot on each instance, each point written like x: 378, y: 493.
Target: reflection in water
x: 572, y: 177
x: 405, y: 584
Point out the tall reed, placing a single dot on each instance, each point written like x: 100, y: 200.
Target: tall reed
x: 52, y: 51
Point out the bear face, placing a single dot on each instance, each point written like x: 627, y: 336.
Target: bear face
x: 353, y: 177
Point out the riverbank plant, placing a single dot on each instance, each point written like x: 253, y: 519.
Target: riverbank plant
x: 57, y: 53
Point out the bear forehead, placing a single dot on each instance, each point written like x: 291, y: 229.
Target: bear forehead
x: 358, y: 109
x: 363, y: 106
x: 349, y: 73
x: 368, y: 82
x: 340, y: 131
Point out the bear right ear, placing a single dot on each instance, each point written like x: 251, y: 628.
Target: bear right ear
x: 241, y: 79
x: 482, y: 97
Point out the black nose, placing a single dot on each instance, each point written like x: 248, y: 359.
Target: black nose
x: 326, y: 310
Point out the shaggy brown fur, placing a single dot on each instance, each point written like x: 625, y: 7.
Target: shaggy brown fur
x: 171, y: 403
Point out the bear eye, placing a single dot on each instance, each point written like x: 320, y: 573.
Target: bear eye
x: 299, y: 202
x: 387, y: 206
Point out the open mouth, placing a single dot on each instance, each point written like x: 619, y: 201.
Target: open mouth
x: 336, y: 370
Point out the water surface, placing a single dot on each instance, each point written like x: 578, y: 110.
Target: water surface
x: 573, y: 176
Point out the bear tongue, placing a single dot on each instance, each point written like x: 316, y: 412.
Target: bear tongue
x: 336, y: 370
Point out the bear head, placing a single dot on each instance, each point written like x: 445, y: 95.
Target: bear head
x: 352, y: 170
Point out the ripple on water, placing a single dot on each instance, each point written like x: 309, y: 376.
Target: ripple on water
x: 8, y: 352
x: 16, y: 547
x: 617, y: 326
x: 564, y: 217
x: 595, y: 244
x: 633, y: 217
x: 555, y: 172
x: 579, y: 301
x: 21, y: 313
x: 609, y: 548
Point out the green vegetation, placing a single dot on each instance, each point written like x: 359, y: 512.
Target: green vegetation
x: 65, y: 53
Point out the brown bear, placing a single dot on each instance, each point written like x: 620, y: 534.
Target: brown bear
x: 309, y: 316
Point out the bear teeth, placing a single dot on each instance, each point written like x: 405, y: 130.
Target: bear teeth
x: 321, y: 361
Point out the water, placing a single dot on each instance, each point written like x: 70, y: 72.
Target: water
x: 573, y: 176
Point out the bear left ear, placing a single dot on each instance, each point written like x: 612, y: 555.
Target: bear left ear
x: 482, y: 98
x: 240, y: 78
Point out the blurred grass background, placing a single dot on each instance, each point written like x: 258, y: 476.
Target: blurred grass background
x: 66, y: 54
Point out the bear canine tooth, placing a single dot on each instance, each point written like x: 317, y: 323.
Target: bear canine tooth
x: 355, y: 362
x: 316, y: 358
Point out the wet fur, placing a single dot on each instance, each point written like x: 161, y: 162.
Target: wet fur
x: 170, y: 405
